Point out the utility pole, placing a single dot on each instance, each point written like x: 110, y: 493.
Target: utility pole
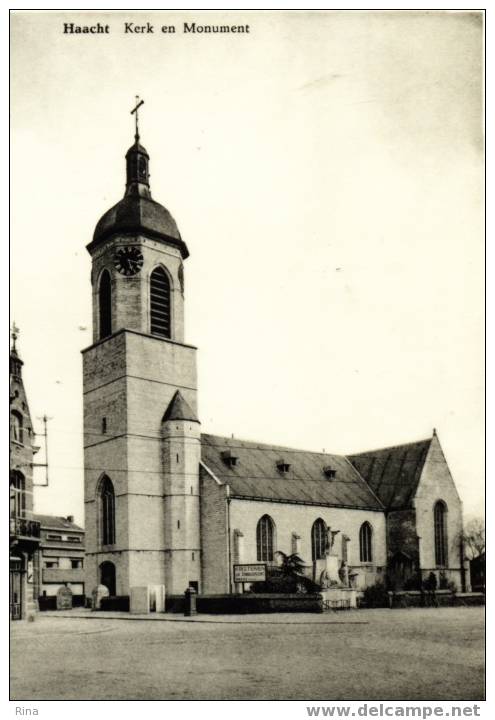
x: 44, y: 434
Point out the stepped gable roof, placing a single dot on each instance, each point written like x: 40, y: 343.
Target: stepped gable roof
x: 179, y: 409
x: 393, y: 473
x: 255, y: 474
x: 56, y: 522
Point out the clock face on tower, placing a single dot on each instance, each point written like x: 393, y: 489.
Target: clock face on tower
x: 128, y: 260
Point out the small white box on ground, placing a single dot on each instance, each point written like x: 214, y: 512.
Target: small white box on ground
x: 156, y: 598
x: 139, y: 601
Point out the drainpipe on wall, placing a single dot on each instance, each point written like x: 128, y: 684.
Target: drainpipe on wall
x: 463, y: 567
x: 228, y: 539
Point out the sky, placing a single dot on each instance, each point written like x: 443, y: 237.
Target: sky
x: 326, y: 172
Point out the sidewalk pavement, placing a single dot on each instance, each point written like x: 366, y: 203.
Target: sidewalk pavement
x: 345, y: 617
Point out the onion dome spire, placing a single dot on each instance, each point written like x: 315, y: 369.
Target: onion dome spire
x: 137, y: 162
x: 137, y: 213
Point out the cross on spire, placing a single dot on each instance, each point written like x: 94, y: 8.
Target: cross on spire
x: 134, y: 111
x: 14, y: 335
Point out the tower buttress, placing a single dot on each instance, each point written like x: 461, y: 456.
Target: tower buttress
x: 181, y: 432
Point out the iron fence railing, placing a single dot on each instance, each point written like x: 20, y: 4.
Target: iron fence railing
x: 22, y: 527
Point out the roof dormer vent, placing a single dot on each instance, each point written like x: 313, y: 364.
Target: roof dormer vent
x: 229, y: 458
x: 330, y: 472
x: 283, y: 466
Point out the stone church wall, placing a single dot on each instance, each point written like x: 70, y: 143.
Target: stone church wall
x: 436, y: 483
x: 214, y: 536
x: 401, y: 534
x: 293, y: 518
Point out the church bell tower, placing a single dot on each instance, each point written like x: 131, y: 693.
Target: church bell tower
x: 141, y: 432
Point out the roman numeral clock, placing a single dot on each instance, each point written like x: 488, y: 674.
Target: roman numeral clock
x: 128, y: 260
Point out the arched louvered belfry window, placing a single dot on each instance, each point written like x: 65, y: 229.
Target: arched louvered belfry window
x: 160, y: 303
x: 107, y: 512
x: 440, y: 521
x: 105, y: 304
x: 318, y: 539
x: 265, y: 531
x: 365, y: 539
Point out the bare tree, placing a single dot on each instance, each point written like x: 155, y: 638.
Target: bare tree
x: 473, y: 538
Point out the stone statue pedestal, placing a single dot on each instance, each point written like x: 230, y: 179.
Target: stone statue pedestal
x: 336, y: 598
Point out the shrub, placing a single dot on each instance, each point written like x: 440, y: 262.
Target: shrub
x: 276, y: 583
x: 431, y: 584
x: 375, y: 596
x: 452, y: 587
x: 413, y: 582
x: 443, y: 584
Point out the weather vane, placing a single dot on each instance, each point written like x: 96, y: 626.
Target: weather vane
x: 134, y: 111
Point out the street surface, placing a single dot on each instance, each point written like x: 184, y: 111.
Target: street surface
x: 408, y: 654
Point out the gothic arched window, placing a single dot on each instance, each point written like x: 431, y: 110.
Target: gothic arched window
x: 318, y: 539
x: 107, y: 512
x: 105, y: 305
x: 264, y: 538
x: 365, y: 537
x: 16, y: 425
x: 160, y: 303
x: 439, y: 518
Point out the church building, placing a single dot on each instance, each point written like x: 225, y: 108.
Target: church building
x: 168, y: 506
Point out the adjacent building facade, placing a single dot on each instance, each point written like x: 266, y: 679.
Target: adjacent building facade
x: 168, y: 506
x: 61, y: 558
x: 24, y: 528
x: 46, y: 551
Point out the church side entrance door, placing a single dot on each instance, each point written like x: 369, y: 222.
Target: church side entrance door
x: 107, y: 576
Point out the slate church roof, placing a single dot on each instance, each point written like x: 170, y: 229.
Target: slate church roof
x: 255, y: 474
x: 393, y: 473
x: 135, y: 214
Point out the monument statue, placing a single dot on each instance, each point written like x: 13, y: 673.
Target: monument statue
x: 344, y: 574
x: 324, y: 580
x: 330, y: 539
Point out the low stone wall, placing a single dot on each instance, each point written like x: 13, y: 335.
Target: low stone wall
x: 115, y: 603
x: 248, y: 603
x: 49, y: 602
x: 439, y: 598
